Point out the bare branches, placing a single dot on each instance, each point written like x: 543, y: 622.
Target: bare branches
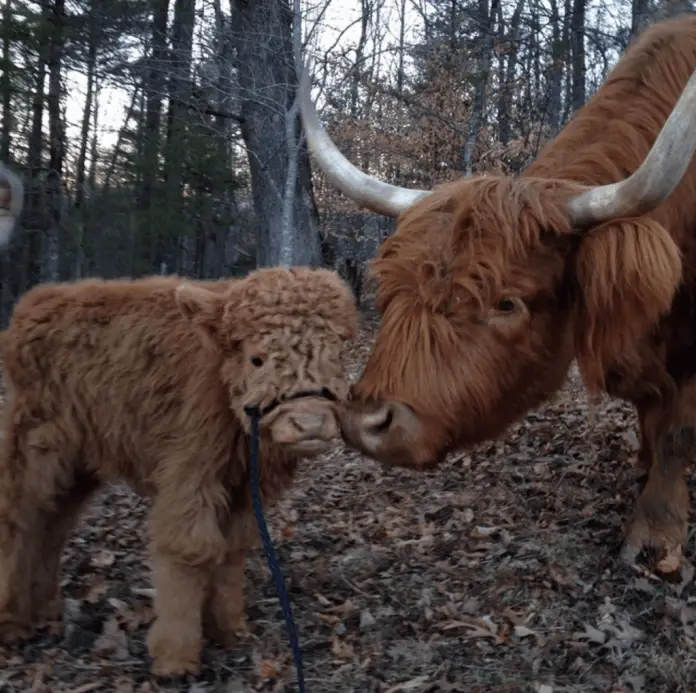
x: 414, y: 91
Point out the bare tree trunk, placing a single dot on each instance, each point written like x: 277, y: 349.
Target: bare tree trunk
x: 535, y: 45
x: 395, y: 167
x: 577, y: 45
x: 486, y: 55
x: 180, y: 99
x: 80, y: 175
x: 366, y: 10
x: 93, y: 147
x: 57, y: 250
x: 400, y: 76
x: 154, y: 92
x: 5, y: 147
x: 223, y: 193
x: 640, y: 15
x: 268, y: 85
x: 505, y: 95
x: 556, y: 70
x: 34, y: 219
x: 6, y: 87
x: 119, y: 142
x: 92, y: 239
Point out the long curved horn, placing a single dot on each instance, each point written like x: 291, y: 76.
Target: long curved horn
x: 364, y: 189
x: 658, y: 175
x: 9, y: 212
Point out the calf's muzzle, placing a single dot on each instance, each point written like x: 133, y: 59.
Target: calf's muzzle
x: 304, y: 423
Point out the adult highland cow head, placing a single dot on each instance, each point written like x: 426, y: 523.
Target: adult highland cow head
x: 282, y: 334
x: 492, y: 284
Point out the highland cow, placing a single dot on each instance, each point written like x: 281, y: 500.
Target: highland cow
x: 492, y: 285
x: 148, y: 382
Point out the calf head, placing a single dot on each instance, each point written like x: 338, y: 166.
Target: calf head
x: 281, y: 334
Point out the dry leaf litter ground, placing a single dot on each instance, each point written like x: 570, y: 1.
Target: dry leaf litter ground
x: 497, y: 572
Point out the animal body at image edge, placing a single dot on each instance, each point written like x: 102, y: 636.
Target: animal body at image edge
x: 492, y: 285
x: 11, y: 203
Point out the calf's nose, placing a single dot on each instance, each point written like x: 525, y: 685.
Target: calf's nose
x: 307, y: 424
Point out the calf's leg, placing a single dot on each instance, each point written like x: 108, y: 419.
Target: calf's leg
x: 224, y: 617
x: 224, y: 609
x: 176, y: 636
x: 32, y: 476
x: 16, y: 550
x: 187, y: 547
x: 15, y: 540
x: 54, y: 528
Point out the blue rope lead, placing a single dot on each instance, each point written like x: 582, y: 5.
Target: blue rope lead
x: 270, y: 551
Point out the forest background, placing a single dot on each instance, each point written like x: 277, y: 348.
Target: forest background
x: 162, y: 136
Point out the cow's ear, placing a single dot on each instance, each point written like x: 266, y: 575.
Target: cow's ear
x: 204, y: 309
x: 628, y: 272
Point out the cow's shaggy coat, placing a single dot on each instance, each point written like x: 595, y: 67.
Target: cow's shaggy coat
x: 490, y: 287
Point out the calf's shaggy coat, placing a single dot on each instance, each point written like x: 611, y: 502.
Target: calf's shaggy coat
x: 147, y: 381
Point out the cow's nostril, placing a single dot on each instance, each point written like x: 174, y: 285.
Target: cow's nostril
x: 384, y: 424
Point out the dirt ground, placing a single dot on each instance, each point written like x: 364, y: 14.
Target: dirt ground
x: 497, y: 572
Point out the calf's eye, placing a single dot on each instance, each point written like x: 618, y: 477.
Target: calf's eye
x: 506, y: 305
x: 256, y: 361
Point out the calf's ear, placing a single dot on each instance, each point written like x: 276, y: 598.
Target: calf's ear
x: 628, y: 272
x: 204, y: 309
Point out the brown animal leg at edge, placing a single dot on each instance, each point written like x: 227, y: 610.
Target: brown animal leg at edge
x: 54, y: 528
x: 660, y: 517
x: 648, y: 418
x: 15, y: 592
x: 16, y: 553
x: 224, y: 619
x: 40, y: 501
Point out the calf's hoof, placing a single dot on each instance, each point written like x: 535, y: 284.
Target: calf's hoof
x: 167, y: 667
x: 50, y: 611
x: 174, y: 652
x: 12, y: 632
x: 228, y: 635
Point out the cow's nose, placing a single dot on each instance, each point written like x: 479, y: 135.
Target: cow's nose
x: 378, y: 422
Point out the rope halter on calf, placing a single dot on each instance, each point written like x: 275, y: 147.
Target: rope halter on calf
x: 255, y: 414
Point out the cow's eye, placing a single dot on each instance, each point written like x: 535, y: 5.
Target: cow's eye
x: 506, y: 305
x: 256, y: 361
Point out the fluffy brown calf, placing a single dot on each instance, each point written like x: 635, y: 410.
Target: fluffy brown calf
x: 147, y: 381
x: 492, y: 285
